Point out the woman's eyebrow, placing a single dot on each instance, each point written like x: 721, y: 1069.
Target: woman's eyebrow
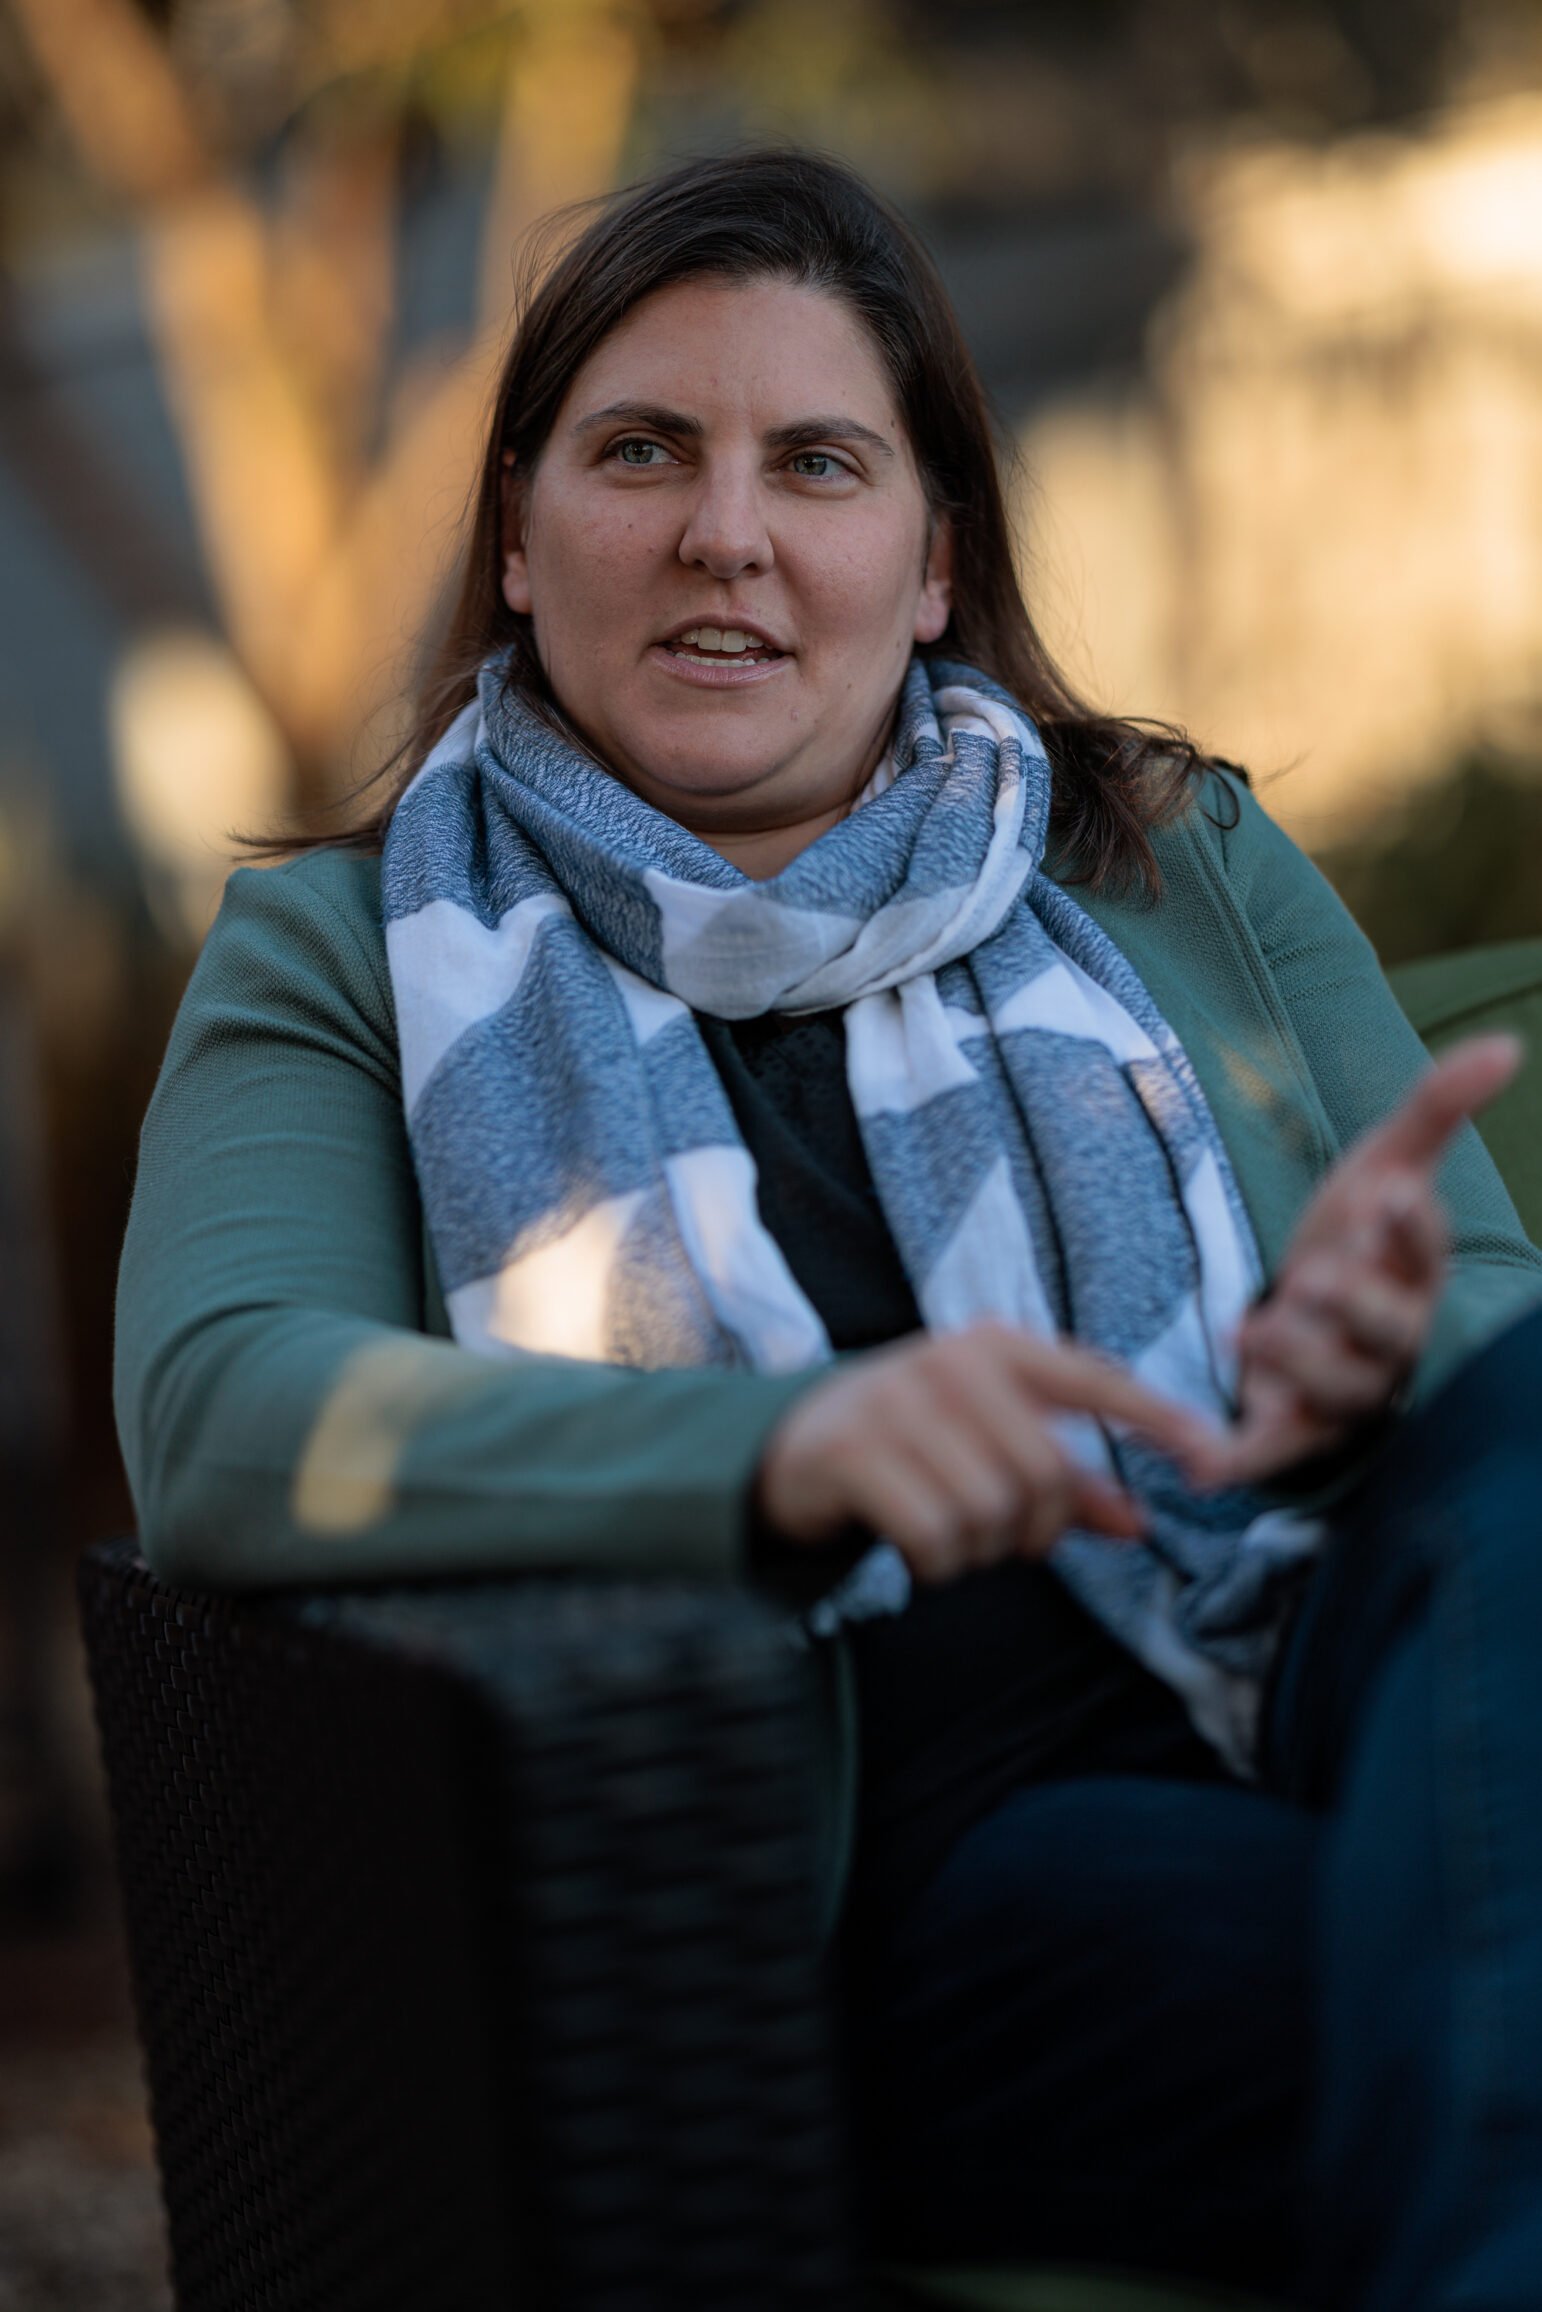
x: 801, y: 433
x: 807, y: 432
x: 651, y: 414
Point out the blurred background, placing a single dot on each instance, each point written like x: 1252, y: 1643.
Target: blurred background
x: 1256, y: 290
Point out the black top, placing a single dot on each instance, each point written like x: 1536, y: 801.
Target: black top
x: 1000, y: 1677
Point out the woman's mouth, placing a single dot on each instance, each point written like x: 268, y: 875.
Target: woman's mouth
x: 719, y: 656
x: 723, y: 646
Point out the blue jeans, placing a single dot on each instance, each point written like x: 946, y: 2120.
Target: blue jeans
x: 1286, y: 2037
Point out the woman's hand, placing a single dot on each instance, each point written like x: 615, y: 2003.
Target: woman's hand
x: 1351, y: 1307
x: 945, y: 1444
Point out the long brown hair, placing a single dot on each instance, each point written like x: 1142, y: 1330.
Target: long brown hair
x: 804, y: 218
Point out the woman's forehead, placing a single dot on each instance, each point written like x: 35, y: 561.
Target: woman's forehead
x: 776, y: 350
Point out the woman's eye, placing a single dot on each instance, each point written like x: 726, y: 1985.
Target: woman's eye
x: 636, y: 452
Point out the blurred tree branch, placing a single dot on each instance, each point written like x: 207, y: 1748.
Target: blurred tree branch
x: 567, y: 104
x: 113, y: 81
x: 115, y: 534
x: 315, y: 475
x: 258, y: 148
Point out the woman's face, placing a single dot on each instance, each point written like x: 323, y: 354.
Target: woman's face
x: 726, y: 554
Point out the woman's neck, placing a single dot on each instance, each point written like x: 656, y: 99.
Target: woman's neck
x: 761, y: 852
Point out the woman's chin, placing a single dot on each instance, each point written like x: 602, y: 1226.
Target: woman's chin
x: 706, y: 761
x: 702, y: 787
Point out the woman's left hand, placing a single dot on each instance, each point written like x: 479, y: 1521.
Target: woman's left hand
x: 1351, y: 1307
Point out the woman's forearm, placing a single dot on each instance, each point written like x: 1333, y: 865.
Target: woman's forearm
x: 284, y: 1413
x: 291, y: 1445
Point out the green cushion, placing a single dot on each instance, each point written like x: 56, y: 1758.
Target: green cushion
x: 1447, y: 997
x: 1484, y: 988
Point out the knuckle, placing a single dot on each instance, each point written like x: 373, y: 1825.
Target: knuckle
x: 1048, y: 1482
x: 845, y: 1454
x: 1342, y: 1390
x: 1320, y: 1281
x: 993, y: 1498
x: 941, y: 1522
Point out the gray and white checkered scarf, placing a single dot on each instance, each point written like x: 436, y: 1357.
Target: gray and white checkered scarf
x: 1040, y: 1145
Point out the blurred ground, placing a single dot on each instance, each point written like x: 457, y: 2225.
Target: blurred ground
x: 80, y: 2215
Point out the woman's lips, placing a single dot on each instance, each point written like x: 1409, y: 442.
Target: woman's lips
x: 717, y: 673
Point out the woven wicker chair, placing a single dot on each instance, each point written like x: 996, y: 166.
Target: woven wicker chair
x: 473, y: 1933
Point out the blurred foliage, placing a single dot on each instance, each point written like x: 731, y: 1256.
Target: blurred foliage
x: 1454, y: 866
x: 261, y: 155
x: 967, y: 95
x: 266, y: 156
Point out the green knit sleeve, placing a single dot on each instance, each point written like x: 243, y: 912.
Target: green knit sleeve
x: 284, y: 1415
x: 1362, y: 1055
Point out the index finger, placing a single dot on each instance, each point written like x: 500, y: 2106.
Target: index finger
x: 1460, y: 1083
x: 1074, y: 1380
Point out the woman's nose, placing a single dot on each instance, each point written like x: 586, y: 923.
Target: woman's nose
x: 726, y: 533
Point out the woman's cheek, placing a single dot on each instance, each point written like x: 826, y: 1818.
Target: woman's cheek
x: 877, y: 572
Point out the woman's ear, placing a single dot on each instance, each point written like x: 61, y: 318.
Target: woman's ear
x: 935, y: 607
x: 516, y: 569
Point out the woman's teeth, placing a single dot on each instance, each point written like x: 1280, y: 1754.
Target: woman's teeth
x: 724, y: 642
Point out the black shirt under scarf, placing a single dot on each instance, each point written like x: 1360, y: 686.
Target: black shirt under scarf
x: 983, y: 1684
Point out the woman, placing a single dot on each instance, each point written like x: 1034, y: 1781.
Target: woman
x: 767, y: 959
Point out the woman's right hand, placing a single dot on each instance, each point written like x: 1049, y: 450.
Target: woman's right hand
x: 945, y: 1444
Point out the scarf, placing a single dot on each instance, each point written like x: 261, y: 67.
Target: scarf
x: 1039, y: 1142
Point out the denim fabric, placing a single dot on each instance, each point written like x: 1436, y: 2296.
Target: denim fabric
x: 1287, y: 2037
x: 1086, y: 2043
x: 1409, y: 1708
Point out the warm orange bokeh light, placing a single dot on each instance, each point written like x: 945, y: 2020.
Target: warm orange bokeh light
x: 1316, y: 537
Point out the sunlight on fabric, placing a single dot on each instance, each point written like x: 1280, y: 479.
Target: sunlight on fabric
x: 1250, y: 1086
x: 556, y: 1300
x: 345, y: 1480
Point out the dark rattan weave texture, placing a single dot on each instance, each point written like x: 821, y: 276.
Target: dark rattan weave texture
x: 472, y: 1931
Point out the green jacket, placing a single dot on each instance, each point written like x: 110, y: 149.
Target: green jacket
x: 292, y: 1410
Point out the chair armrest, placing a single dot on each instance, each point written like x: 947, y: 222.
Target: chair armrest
x: 473, y: 1934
